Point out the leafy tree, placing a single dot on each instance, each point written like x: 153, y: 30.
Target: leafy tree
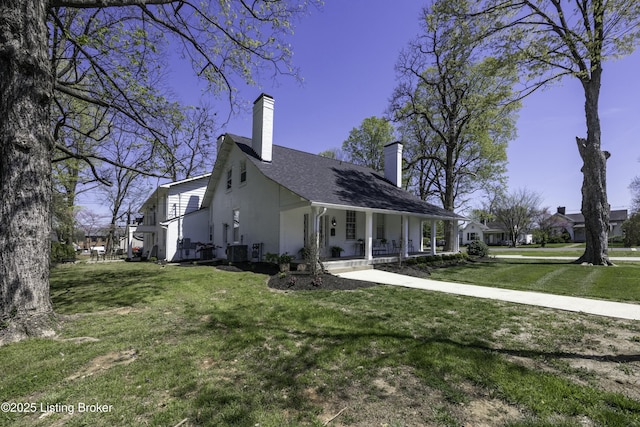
x: 635, y: 194
x: 631, y: 229
x: 456, y: 108
x: 552, y: 39
x: 365, y: 144
x: 516, y: 211
x: 107, y: 53
x: 544, y: 224
x: 334, y: 153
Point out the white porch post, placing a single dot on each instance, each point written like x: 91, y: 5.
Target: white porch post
x: 316, y: 214
x: 405, y: 236
x: 130, y: 241
x: 368, y: 231
x: 456, y: 242
x: 433, y: 237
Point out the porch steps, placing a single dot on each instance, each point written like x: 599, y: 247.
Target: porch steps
x: 345, y: 267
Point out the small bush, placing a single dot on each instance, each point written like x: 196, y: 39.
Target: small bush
x: 61, y: 251
x: 478, y: 248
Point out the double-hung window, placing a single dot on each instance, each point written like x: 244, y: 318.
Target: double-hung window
x: 351, y: 225
x: 243, y: 172
x: 229, y: 178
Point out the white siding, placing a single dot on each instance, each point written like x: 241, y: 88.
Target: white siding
x: 193, y: 227
x: 185, y: 197
x: 258, y: 201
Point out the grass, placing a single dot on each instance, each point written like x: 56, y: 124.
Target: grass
x: 554, y: 253
x: 619, y: 283
x: 217, y: 348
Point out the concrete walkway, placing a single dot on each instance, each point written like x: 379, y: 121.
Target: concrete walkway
x: 583, y: 305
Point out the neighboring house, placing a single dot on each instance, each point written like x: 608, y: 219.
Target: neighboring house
x: 265, y: 198
x: 173, y: 222
x: 574, y: 223
x: 97, y: 238
x: 492, y: 233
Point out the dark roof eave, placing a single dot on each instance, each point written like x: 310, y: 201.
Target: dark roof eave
x: 386, y: 211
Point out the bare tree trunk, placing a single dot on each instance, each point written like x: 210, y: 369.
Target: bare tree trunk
x: 25, y: 171
x: 595, y: 207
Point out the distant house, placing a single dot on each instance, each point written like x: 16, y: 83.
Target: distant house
x: 490, y: 232
x: 574, y: 224
x: 173, y: 222
x: 265, y: 198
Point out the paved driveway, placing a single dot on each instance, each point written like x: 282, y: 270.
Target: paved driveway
x: 584, y: 305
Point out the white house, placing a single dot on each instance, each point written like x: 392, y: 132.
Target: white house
x: 265, y: 198
x: 174, y: 221
x: 492, y: 233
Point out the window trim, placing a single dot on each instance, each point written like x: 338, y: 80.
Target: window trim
x: 229, y: 178
x: 243, y: 172
x: 351, y: 225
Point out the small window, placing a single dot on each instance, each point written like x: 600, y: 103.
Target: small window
x: 351, y: 225
x: 243, y: 171
x: 229, y: 178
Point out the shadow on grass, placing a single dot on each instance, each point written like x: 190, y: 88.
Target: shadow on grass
x: 287, y: 357
x: 91, y: 290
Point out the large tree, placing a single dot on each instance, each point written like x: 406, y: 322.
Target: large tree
x: 551, y: 39
x: 103, y: 52
x: 517, y: 211
x: 456, y: 110
x: 365, y: 144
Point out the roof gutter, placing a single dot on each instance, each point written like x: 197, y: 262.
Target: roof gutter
x: 384, y: 211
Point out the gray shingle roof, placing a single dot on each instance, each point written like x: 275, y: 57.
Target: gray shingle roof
x: 614, y: 215
x: 333, y: 182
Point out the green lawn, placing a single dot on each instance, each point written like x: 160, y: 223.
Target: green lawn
x: 553, y: 252
x: 619, y: 283
x: 161, y: 346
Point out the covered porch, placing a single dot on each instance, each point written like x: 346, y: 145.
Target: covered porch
x: 348, y: 234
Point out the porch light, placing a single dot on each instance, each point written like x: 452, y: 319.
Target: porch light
x: 333, y: 221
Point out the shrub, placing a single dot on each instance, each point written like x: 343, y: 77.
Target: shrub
x: 61, y: 251
x: 478, y: 248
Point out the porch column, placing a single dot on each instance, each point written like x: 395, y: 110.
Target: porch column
x: 456, y: 242
x: 405, y: 236
x: 316, y: 214
x: 433, y: 237
x: 129, y: 241
x: 368, y: 232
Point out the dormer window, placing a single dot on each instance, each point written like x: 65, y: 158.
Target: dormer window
x: 229, y: 178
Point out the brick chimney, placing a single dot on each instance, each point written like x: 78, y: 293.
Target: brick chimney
x: 393, y: 163
x: 262, y: 132
x: 562, y: 210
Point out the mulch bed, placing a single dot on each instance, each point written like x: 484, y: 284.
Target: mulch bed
x: 300, y: 281
x: 303, y: 281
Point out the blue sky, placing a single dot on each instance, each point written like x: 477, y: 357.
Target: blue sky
x: 346, y: 53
